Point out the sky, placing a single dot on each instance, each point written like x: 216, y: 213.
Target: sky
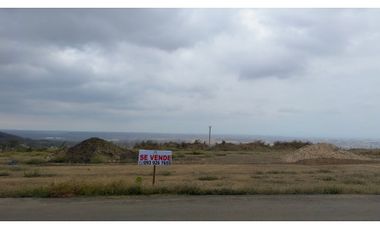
x: 283, y: 72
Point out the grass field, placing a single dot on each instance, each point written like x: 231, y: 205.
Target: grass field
x: 192, y: 172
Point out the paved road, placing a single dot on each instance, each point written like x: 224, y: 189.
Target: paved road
x: 278, y: 207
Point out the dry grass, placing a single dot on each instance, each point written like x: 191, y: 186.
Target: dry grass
x: 228, y: 173
x: 194, y: 179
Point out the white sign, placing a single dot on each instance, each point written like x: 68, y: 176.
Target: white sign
x: 155, y: 157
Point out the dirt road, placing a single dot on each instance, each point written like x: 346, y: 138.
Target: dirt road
x: 278, y: 207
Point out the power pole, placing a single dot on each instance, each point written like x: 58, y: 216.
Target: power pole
x: 209, y: 135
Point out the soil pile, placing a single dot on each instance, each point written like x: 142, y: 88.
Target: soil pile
x: 96, y: 150
x: 323, y: 153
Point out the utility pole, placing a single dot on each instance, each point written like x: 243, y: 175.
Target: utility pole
x: 209, y: 135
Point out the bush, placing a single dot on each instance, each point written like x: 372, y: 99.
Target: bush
x: 290, y: 144
x: 97, y: 159
x: 138, y: 180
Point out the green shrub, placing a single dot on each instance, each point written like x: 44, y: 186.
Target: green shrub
x: 58, y: 159
x: 138, y: 180
x: 97, y: 159
x: 290, y: 144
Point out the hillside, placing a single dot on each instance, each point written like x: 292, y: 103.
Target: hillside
x: 96, y: 150
x: 8, y: 138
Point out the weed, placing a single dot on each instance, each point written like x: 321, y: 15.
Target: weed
x: 4, y: 174
x: 179, y: 155
x: 34, y: 173
x: 327, y: 178
x: 138, y: 180
x: 353, y: 181
x: 256, y: 177
x: 290, y: 144
x: 37, y: 173
x: 58, y: 159
x: 276, y: 181
x: 281, y: 172
x: 166, y: 173
x: 207, y: 178
x: 97, y: 159
x: 323, y: 171
x: 16, y: 168
x: 332, y: 190
x: 35, y: 161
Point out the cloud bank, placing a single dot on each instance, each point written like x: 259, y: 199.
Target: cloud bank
x: 292, y: 72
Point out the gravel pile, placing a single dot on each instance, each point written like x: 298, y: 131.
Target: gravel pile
x: 324, y: 152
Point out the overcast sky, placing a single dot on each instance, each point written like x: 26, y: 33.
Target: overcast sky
x: 289, y: 72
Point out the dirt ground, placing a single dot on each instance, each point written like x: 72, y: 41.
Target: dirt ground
x: 259, y: 207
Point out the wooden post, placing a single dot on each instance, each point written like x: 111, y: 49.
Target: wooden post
x: 154, y: 174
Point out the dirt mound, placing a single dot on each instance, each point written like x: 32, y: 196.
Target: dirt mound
x: 96, y: 150
x: 323, y: 153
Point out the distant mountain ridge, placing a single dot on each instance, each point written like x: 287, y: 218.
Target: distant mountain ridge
x: 7, y: 138
x: 45, y: 138
x: 15, y: 142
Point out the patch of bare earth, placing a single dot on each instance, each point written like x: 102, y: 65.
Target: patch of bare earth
x: 324, y: 154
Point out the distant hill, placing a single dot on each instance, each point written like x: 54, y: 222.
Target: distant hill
x: 96, y: 150
x: 6, y: 138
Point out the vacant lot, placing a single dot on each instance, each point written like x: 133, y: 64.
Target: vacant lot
x: 192, y: 172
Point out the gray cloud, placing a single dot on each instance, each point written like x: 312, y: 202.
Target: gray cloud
x: 177, y: 70
x: 75, y: 27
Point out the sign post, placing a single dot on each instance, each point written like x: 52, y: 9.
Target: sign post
x: 154, y: 174
x: 155, y: 157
